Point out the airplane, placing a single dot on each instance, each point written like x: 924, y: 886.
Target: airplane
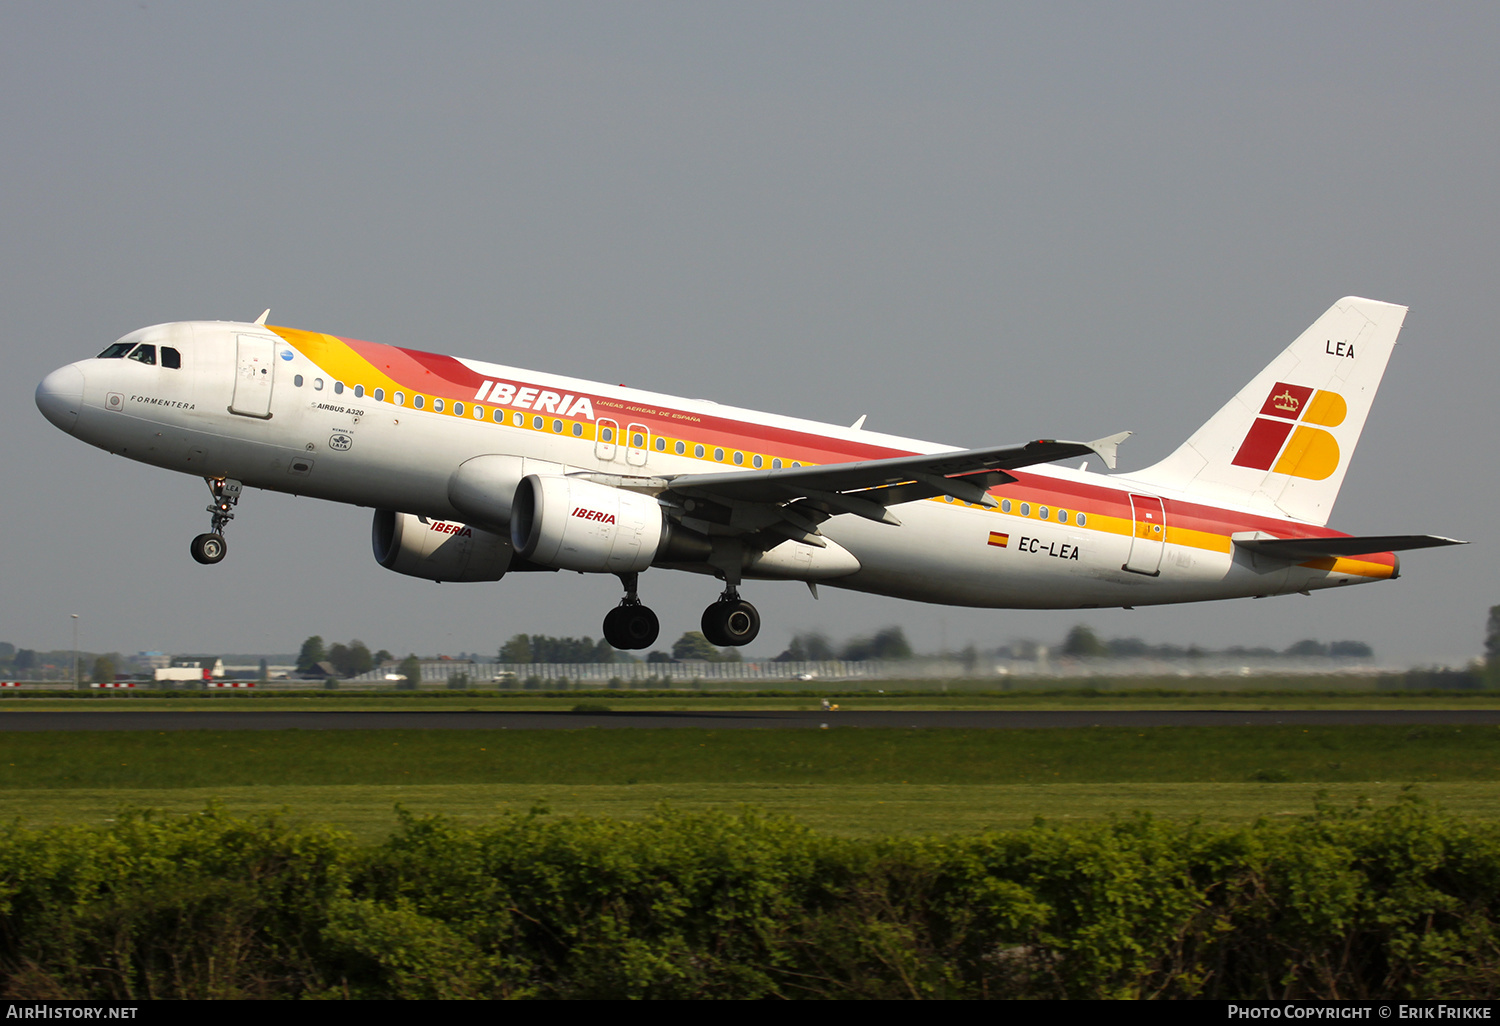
x: 476, y: 469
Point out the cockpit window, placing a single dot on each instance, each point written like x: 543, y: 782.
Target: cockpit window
x: 144, y: 354
x: 117, y: 351
x: 171, y: 358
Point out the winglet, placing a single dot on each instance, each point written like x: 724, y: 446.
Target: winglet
x: 261, y: 320
x: 1106, y: 447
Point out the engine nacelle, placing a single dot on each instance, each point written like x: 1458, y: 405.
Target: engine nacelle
x: 483, y: 488
x: 572, y: 524
x: 438, y: 550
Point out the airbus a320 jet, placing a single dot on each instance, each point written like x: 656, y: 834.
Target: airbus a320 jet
x: 476, y: 470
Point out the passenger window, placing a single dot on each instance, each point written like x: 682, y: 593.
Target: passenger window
x: 418, y: 401
x: 517, y: 418
x: 698, y: 451
x: 661, y: 444
x: 1004, y: 505
x: 117, y: 351
x: 338, y: 388
x: 757, y: 461
x: 719, y: 455
x: 317, y: 384
x: 606, y: 435
x: 557, y: 427
x: 577, y: 430
x: 458, y: 409
x: 1082, y: 519
x: 1041, y: 511
x: 437, y: 406
x: 171, y: 358
x: 398, y: 399
x: 637, y: 440
x: 359, y: 391
x: 297, y: 380
x: 379, y: 394
x: 536, y: 422
x: 144, y: 354
x: 1062, y: 516
x: 1025, y: 509
x: 776, y: 463
x: 739, y: 458
x: 680, y: 448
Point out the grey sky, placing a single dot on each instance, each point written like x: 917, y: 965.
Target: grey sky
x: 976, y: 223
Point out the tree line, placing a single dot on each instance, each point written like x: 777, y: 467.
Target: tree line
x: 1083, y: 642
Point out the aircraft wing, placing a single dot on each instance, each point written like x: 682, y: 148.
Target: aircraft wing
x: 1298, y: 550
x: 866, y: 487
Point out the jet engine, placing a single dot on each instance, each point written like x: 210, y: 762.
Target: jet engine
x: 438, y: 550
x: 483, y: 488
x: 573, y: 524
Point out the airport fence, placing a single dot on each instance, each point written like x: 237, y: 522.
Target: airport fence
x: 546, y: 676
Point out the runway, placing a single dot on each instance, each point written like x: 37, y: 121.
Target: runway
x: 749, y: 720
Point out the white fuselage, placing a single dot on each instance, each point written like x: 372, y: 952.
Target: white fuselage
x: 291, y: 421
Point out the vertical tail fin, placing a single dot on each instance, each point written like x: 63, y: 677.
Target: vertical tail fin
x: 1283, y: 444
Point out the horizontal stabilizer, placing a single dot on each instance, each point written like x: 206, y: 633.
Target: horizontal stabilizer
x: 1297, y: 550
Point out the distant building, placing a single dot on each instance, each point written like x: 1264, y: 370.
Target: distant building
x: 181, y: 668
x: 153, y: 660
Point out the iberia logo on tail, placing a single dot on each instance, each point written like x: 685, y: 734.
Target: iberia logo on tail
x: 1282, y: 440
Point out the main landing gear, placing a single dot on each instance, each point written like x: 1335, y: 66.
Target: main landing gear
x: 731, y: 620
x: 631, y: 625
x: 210, y: 548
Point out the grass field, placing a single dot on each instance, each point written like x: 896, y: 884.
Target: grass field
x: 858, y: 782
x: 856, y: 810
x: 1194, y: 694
x: 1272, y: 754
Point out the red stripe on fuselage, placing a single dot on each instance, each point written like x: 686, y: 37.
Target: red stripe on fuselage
x: 438, y: 374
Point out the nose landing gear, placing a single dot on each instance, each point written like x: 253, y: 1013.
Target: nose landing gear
x: 631, y: 625
x: 210, y: 548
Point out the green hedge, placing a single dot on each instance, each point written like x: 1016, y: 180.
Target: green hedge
x: 1399, y: 902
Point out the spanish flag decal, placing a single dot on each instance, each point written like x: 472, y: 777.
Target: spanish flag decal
x: 999, y: 540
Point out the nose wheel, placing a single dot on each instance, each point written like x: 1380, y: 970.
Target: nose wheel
x: 631, y: 625
x: 731, y: 621
x: 210, y: 548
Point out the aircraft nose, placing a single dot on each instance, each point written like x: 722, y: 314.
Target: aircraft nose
x: 60, y: 396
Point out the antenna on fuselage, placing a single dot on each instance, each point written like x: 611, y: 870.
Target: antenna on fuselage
x: 261, y: 320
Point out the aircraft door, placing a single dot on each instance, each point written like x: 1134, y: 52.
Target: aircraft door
x: 637, y: 444
x: 606, y: 438
x: 254, y: 370
x: 1149, y: 539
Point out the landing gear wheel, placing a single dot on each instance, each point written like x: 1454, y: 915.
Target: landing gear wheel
x: 731, y: 623
x: 631, y: 627
x: 209, y: 548
x: 641, y: 626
